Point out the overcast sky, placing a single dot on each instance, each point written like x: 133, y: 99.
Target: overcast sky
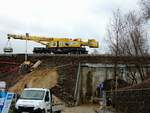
x: 58, y: 18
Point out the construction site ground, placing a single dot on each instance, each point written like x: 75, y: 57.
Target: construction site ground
x: 60, y: 75
x: 86, y: 109
x: 80, y: 109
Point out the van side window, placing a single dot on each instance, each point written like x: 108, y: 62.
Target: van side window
x: 47, y: 96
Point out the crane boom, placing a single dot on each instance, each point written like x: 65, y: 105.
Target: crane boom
x: 58, y: 45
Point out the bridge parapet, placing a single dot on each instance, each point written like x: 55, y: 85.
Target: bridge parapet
x: 87, y: 58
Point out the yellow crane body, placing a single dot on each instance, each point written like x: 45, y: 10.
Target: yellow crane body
x: 58, y: 45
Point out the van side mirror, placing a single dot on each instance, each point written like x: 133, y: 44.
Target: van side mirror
x: 46, y: 99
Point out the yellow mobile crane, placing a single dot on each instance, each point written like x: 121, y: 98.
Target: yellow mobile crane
x: 58, y: 45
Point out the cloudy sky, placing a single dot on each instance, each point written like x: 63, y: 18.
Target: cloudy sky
x: 58, y: 18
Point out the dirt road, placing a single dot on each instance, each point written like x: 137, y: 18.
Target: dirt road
x: 81, y: 109
x: 86, y: 109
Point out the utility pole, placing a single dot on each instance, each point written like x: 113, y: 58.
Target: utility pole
x: 27, y: 35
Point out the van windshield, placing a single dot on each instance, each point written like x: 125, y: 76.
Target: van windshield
x: 32, y: 94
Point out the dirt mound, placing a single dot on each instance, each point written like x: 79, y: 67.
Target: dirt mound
x: 46, y: 78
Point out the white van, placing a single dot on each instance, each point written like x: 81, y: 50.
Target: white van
x: 37, y: 100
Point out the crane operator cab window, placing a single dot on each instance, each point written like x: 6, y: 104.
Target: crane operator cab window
x: 52, y: 44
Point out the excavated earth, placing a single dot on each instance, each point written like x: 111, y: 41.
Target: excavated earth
x: 56, y: 74
x: 40, y: 78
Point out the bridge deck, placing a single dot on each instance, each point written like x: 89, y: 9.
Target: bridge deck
x: 86, y: 58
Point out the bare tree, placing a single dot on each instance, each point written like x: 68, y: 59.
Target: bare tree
x: 145, y: 8
x: 135, y: 34
x: 138, y: 42
x: 126, y: 36
x: 115, y: 31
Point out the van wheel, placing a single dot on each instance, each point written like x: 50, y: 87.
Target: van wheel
x: 58, y: 112
x: 43, y: 111
x: 39, y: 111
